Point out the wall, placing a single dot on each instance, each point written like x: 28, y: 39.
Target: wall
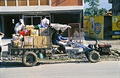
x: 66, y: 2
x: 86, y: 23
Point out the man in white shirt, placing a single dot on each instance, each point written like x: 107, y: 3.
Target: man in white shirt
x: 1, y: 36
x: 19, y: 26
x: 44, y: 22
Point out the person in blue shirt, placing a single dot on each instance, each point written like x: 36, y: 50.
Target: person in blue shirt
x: 61, y: 41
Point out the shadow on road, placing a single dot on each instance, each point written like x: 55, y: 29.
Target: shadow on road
x: 20, y: 64
x: 13, y: 64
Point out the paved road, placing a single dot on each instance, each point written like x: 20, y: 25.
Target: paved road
x: 105, y: 69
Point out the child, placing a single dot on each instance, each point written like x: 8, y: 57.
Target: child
x: 1, y: 36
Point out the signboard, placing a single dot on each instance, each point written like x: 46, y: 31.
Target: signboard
x: 86, y: 25
x: 96, y: 27
x: 116, y: 27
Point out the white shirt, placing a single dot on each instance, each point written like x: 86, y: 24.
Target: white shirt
x: 0, y: 40
x: 45, y: 22
x: 76, y: 34
x: 19, y: 26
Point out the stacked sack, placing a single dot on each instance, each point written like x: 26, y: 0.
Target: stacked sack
x: 17, y: 41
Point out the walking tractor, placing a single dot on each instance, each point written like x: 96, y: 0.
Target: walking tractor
x: 38, y: 46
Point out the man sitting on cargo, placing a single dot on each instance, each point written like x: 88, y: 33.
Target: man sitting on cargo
x: 44, y: 22
x: 19, y: 26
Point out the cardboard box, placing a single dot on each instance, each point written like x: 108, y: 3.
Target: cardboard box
x: 34, y: 32
x: 29, y: 27
x: 28, y: 46
x: 28, y: 40
x: 44, y: 31
x: 37, y: 41
x: 42, y: 42
x: 46, y: 40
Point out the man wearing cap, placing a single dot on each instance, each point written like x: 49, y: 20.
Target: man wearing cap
x: 19, y: 26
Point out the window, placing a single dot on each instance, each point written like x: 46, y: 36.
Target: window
x: 32, y: 20
x: 33, y: 2
x: 11, y: 2
x: 22, y: 2
x: 2, y: 3
x: 44, y: 2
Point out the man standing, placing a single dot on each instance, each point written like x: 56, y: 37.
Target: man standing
x: 19, y: 26
x: 1, y: 36
x: 44, y: 22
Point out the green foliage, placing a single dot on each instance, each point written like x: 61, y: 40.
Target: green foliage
x: 93, y: 10
x: 102, y: 11
x: 85, y: 1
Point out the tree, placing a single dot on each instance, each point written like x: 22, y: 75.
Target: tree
x: 92, y: 1
x: 85, y: 1
x: 93, y: 10
x: 89, y: 11
x: 102, y: 11
x: 93, y: 5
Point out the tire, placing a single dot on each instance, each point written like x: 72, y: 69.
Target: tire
x: 93, y: 56
x: 29, y: 59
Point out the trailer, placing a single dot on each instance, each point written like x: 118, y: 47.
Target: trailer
x: 30, y: 55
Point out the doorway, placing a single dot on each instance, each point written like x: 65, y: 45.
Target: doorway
x: 9, y: 24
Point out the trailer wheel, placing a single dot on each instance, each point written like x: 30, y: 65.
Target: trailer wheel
x: 93, y: 56
x: 29, y: 59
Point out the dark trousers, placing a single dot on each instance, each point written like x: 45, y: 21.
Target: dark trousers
x: 0, y: 48
x: 62, y: 48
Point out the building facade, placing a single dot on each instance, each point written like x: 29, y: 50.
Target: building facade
x: 115, y: 7
x: 58, y: 11
x: 115, y: 18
